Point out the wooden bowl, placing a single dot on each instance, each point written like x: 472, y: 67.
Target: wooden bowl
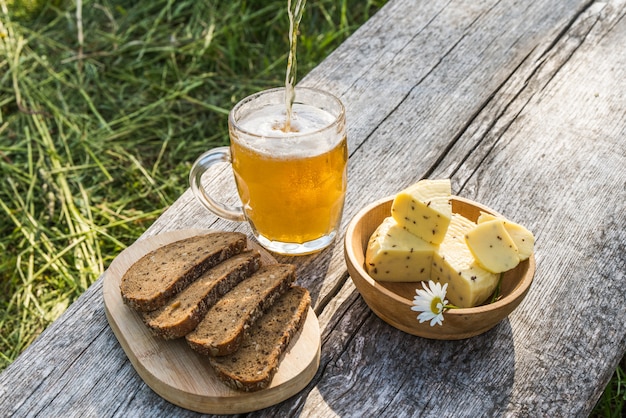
x: 392, y: 301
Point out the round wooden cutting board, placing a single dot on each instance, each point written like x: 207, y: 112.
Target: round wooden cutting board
x: 182, y: 376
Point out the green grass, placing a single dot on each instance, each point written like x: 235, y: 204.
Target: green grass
x: 101, y: 117
x: 102, y: 110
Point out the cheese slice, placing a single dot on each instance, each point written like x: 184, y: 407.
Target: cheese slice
x: 492, y: 246
x: 469, y: 284
x: 524, y: 239
x: 424, y: 209
x: 395, y: 255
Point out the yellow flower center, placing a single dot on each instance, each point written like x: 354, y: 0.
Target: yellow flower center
x: 436, y: 305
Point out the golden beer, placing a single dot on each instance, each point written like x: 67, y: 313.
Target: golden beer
x: 291, y: 181
x: 291, y: 199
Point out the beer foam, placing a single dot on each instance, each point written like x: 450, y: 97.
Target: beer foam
x: 269, y: 121
x: 306, y: 138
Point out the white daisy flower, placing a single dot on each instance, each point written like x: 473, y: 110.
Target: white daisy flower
x: 431, y: 302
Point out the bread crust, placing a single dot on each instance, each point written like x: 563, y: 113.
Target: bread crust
x: 222, y: 330
x: 157, y: 276
x: 184, y: 311
x: 254, y: 365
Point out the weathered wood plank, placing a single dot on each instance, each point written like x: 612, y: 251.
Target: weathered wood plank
x: 578, y: 189
x: 504, y: 182
x: 521, y: 103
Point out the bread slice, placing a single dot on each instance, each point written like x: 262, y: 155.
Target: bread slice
x: 184, y: 311
x: 158, y: 275
x: 222, y: 329
x: 254, y: 365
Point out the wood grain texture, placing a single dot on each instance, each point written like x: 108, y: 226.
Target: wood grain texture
x: 521, y: 104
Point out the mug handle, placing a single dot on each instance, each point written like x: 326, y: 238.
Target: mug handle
x: 199, y: 167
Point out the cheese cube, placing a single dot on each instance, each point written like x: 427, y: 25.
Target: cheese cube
x: 395, y: 255
x: 424, y: 209
x: 469, y: 284
x: 524, y: 239
x: 492, y: 246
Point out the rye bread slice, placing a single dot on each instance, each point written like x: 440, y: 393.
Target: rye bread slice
x: 181, y: 314
x: 160, y: 274
x: 222, y: 329
x: 254, y: 365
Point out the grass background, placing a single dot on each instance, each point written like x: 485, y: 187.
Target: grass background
x: 104, y: 105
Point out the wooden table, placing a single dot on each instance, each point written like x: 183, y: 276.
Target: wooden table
x: 523, y: 105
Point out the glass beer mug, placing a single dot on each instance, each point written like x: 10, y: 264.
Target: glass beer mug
x: 291, y: 180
